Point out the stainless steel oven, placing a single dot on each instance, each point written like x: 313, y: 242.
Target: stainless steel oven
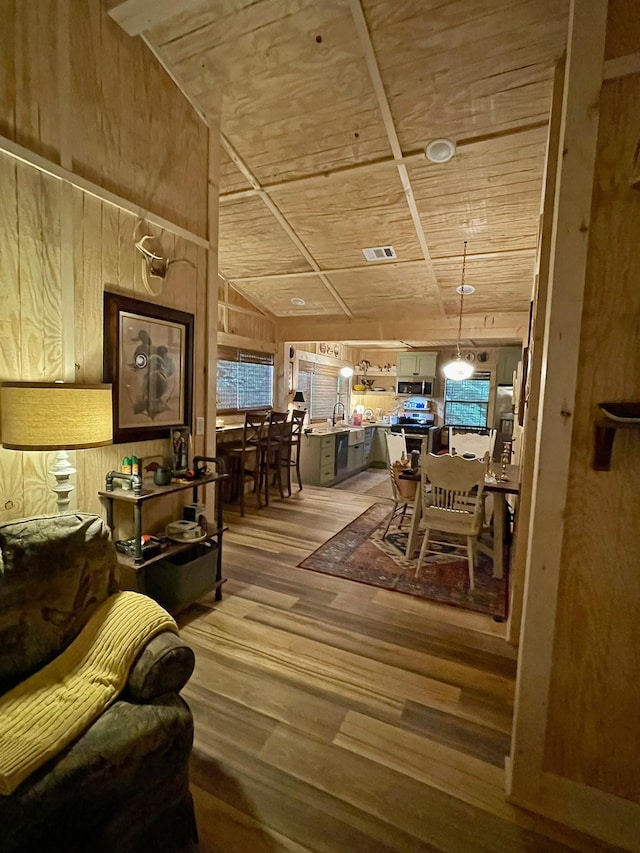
x: 414, y: 432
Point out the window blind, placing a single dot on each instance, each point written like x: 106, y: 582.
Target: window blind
x: 245, y: 379
x: 321, y: 388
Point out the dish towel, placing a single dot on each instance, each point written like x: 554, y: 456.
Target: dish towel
x: 43, y: 714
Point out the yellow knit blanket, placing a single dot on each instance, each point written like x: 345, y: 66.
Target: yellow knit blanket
x: 43, y: 714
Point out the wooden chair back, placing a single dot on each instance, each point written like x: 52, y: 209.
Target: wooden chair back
x: 297, y: 421
x: 457, y: 486
x: 256, y: 423
x: 472, y: 443
x: 279, y: 428
x: 396, y: 446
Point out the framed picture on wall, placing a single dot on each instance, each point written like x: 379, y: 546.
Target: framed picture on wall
x: 148, y: 358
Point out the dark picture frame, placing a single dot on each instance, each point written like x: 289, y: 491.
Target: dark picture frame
x: 148, y: 359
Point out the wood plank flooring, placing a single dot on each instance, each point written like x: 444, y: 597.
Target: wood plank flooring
x: 333, y: 716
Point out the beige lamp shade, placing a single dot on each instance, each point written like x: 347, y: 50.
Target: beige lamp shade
x: 55, y: 415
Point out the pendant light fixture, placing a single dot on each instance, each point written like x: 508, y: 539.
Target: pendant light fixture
x: 458, y: 368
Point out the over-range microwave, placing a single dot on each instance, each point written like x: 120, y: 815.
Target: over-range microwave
x: 422, y: 387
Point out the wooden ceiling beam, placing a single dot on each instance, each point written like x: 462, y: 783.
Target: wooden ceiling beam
x: 282, y: 221
x: 414, y: 157
x: 259, y: 309
x: 476, y: 327
x: 390, y: 128
x: 443, y: 259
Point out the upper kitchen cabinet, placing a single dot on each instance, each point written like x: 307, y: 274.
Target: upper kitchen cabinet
x: 418, y: 364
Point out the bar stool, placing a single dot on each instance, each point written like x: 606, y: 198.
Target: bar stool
x: 295, y: 446
x: 246, y: 457
x: 277, y: 440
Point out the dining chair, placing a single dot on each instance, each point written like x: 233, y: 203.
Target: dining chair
x: 246, y: 456
x: 396, y: 446
x: 472, y: 444
x: 456, y: 488
x: 404, y: 491
x: 479, y: 446
x: 404, y: 494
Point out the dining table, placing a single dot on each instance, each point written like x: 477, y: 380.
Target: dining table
x: 495, y: 485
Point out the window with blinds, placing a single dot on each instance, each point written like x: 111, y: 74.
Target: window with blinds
x: 319, y: 384
x: 245, y: 380
x: 466, y: 403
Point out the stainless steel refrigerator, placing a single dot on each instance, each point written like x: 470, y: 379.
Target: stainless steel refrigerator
x: 503, y: 418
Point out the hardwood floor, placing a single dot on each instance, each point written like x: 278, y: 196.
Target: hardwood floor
x: 334, y: 716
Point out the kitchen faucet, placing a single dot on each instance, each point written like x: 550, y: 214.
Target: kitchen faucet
x: 335, y: 412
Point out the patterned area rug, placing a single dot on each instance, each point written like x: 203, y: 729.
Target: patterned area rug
x: 359, y: 553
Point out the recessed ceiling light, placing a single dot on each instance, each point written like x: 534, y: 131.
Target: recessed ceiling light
x: 467, y: 289
x: 440, y: 150
x: 297, y: 300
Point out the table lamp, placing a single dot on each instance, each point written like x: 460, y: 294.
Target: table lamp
x: 298, y: 397
x: 55, y: 416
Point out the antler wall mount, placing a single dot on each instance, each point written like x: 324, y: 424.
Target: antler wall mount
x: 154, y: 266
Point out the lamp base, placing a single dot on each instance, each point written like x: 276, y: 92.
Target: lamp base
x: 62, y: 470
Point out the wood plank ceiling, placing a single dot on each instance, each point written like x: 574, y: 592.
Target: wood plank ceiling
x: 327, y: 108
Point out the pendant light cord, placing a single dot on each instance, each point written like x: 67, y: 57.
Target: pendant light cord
x: 464, y: 264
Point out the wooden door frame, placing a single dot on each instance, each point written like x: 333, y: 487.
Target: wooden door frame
x: 529, y: 783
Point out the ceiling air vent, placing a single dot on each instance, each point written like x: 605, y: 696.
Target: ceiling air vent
x: 380, y: 253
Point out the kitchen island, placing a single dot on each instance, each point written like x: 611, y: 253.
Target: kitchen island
x: 329, y: 456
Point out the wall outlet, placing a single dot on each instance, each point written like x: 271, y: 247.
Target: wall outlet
x: 199, y: 426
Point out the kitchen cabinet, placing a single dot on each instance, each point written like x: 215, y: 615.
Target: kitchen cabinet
x: 355, y: 453
x: 378, y: 457
x: 355, y: 458
x: 329, y: 458
x: 369, y: 437
x: 318, y: 459
x: 184, y: 570
x: 418, y: 364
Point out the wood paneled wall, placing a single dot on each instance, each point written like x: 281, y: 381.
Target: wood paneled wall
x: 577, y: 726
x: 595, y: 688
x: 80, y: 92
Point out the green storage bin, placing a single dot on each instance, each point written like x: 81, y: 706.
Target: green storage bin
x: 183, y: 577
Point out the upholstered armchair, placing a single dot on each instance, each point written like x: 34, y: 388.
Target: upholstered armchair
x: 118, y: 782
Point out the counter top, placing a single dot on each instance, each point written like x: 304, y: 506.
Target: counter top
x: 347, y: 428
x: 319, y: 430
